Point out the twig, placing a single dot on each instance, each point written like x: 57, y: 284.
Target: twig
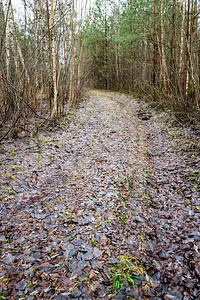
x: 11, y: 127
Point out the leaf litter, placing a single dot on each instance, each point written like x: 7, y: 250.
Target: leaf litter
x: 106, y: 207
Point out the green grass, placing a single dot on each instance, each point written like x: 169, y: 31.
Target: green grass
x: 125, y: 273
x: 194, y: 176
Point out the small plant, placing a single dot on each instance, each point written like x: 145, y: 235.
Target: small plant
x: 123, y: 203
x: 175, y: 134
x: 121, y: 215
x: 97, y: 225
x: 178, y: 191
x: 147, y: 173
x: 188, y: 202
x: 107, y: 222
x: 117, y: 282
x: 125, y: 274
x: 123, y: 218
x: 194, y: 176
x: 94, y: 242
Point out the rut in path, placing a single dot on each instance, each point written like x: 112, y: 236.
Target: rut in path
x: 78, y: 198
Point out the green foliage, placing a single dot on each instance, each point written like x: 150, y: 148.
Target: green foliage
x: 123, y: 54
x: 125, y: 274
x: 125, y: 26
x: 194, y: 176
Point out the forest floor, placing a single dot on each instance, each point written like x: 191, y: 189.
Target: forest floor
x: 106, y: 205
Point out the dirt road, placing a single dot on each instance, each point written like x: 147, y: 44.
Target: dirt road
x: 104, y: 206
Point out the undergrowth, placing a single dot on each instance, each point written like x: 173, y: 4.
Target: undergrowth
x: 128, y: 273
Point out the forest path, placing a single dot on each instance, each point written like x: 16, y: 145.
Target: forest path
x: 96, y: 196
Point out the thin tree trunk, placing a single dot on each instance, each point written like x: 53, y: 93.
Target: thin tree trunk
x: 144, y: 69
x: 49, y: 65
x: 14, y: 37
x: 7, y: 39
x: 117, y: 46
x: 154, y: 45
x: 62, y: 49
x: 106, y: 46
x: 71, y: 92
x: 54, y: 109
x: 181, y: 63
x: 24, y: 52
x: 173, y: 46
x: 188, y: 47
x: 164, y: 71
x: 35, y: 63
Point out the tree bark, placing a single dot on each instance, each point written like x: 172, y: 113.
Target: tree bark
x: 181, y: 63
x: 71, y: 88
x: 106, y: 46
x: 173, y: 47
x: 154, y: 45
x: 54, y: 109
x: 164, y: 70
x: 7, y: 39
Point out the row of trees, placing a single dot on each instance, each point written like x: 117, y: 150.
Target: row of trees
x: 148, y: 46
x: 59, y: 46
x: 41, y: 59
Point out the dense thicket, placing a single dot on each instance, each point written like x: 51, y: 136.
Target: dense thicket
x: 41, y: 59
x: 148, y: 46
